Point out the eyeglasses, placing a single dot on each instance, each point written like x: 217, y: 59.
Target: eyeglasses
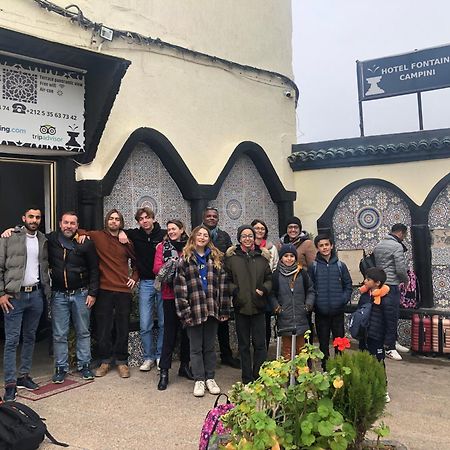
x: 259, y: 228
x: 293, y: 227
x: 247, y: 236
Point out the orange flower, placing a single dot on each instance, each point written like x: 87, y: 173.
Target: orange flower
x: 341, y: 343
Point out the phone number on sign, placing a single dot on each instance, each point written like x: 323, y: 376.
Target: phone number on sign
x: 57, y: 115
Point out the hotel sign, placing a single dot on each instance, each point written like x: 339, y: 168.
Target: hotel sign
x: 422, y: 70
x: 41, y: 107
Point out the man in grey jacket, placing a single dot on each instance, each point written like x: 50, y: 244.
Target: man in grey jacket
x: 390, y: 256
x: 24, y: 281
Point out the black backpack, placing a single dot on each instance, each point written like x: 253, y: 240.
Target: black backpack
x: 367, y: 262
x: 21, y: 428
x: 360, y: 320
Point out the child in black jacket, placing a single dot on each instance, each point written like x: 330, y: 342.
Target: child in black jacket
x: 374, y: 290
x: 291, y: 299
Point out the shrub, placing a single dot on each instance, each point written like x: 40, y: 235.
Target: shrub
x: 362, y: 398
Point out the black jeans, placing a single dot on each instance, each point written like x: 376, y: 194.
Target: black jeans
x: 223, y: 335
x: 171, y: 326
x: 391, y: 320
x: 112, y: 309
x: 251, y: 329
x: 326, y: 325
x: 203, y: 354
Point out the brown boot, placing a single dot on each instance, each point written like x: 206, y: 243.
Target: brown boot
x: 124, y: 371
x: 102, y: 370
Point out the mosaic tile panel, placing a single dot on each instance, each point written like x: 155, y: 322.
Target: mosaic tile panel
x: 244, y: 197
x: 439, y: 222
x: 144, y: 181
x: 365, y: 215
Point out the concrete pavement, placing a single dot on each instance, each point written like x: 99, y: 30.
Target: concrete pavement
x: 114, y: 413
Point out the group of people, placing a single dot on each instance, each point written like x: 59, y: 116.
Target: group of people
x: 191, y: 283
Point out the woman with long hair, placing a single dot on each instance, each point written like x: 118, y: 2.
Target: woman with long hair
x: 167, y: 255
x: 202, y: 300
x: 261, y: 233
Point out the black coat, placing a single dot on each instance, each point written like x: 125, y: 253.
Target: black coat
x: 73, y: 269
x: 293, y: 303
x: 145, y: 248
x: 379, y: 317
x: 222, y: 241
x: 332, y: 283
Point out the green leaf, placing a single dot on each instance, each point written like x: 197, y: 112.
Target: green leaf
x: 325, y: 428
x: 307, y: 439
x: 306, y: 427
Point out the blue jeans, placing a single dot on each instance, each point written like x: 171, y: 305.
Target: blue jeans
x: 64, y: 305
x: 150, y: 298
x: 26, y: 314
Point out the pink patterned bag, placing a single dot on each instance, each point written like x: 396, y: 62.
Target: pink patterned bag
x: 409, y: 292
x: 213, y: 429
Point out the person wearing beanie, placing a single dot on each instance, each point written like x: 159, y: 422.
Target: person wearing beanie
x: 295, y: 235
x: 374, y: 290
x: 250, y: 283
x: 291, y: 299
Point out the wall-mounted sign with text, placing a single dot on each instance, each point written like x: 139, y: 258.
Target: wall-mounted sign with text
x: 422, y: 70
x: 41, y: 107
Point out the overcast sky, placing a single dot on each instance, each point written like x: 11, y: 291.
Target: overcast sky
x: 330, y: 35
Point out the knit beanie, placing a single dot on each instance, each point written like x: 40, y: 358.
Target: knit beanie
x: 294, y: 221
x: 288, y: 248
x: 242, y: 228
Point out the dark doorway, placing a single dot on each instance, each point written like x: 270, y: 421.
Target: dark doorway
x: 25, y: 184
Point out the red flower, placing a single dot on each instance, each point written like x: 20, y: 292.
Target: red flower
x: 341, y: 343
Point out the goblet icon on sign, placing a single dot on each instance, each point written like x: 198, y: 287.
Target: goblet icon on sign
x: 373, y: 86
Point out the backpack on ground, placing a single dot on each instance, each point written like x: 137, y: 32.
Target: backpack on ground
x: 367, y: 262
x: 213, y: 432
x: 409, y: 292
x: 359, y: 321
x: 21, y: 428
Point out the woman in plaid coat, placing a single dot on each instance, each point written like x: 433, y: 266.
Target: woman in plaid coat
x: 202, y: 300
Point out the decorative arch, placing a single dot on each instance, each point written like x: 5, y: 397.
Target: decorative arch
x: 324, y: 223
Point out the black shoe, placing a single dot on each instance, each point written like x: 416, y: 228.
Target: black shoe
x: 232, y: 362
x: 163, y: 379
x: 86, y: 373
x: 59, y: 375
x: 185, y: 371
x: 27, y: 383
x: 10, y: 393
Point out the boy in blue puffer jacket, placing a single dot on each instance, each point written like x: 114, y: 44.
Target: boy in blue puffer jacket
x: 333, y: 286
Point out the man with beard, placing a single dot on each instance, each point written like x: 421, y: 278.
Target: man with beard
x: 221, y: 239
x: 113, y: 304
x: 145, y: 239
x: 75, y: 278
x: 24, y: 281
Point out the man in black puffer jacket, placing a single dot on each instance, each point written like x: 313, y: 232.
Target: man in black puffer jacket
x: 333, y: 286
x: 75, y: 280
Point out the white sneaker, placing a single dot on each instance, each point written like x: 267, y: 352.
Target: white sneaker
x: 212, y: 386
x: 400, y: 348
x: 157, y: 364
x: 147, y: 365
x: 388, y: 398
x: 393, y: 354
x: 199, y: 388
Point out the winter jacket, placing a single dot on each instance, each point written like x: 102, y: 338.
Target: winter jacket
x: 222, y: 241
x: 273, y: 263
x: 292, y: 302
x: 306, y: 250
x: 390, y: 256
x: 73, y: 268
x: 379, y: 316
x: 145, y: 248
x: 13, y: 259
x: 246, y: 273
x: 167, y: 291
x: 191, y: 301
x: 332, y: 283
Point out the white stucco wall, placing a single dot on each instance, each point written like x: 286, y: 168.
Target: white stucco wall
x: 205, y: 110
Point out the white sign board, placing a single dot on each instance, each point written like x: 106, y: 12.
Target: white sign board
x: 41, y: 108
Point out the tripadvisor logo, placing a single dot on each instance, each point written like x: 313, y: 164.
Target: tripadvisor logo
x: 47, y: 133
